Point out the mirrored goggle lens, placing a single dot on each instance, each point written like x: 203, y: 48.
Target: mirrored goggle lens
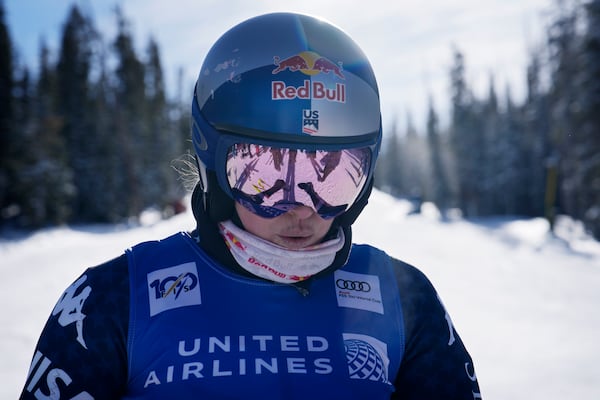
x: 270, y: 181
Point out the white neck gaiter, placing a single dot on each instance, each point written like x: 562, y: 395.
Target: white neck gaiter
x: 275, y: 263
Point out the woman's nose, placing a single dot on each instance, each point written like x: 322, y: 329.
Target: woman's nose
x: 302, y: 212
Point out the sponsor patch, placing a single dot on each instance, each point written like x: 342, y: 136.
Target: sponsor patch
x: 173, y: 287
x: 358, y: 291
x: 367, y: 357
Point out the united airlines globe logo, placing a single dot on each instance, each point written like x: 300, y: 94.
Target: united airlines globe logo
x: 364, y: 361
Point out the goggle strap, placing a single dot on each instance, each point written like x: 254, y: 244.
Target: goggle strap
x: 348, y: 218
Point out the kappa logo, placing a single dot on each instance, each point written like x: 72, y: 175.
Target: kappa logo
x: 173, y: 287
x: 358, y: 291
x: 69, y: 307
x: 367, y: 357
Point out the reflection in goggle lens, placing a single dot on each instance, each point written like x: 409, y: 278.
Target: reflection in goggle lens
x: 270, y: 181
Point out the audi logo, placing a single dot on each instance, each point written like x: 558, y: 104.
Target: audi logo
x: 358, y: 286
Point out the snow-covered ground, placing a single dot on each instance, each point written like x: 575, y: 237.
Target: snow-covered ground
x: 524, y: 301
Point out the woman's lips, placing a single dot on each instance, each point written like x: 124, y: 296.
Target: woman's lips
x: 296, y: 241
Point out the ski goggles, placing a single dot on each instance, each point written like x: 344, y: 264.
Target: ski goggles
x: 270, y: 181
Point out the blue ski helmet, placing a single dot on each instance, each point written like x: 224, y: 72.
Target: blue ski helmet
x: 285, y: 80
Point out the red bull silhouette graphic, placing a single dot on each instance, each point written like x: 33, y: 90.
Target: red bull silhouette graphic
x: 326, y: 66
x: 293, y: 63
x: 309, y: 63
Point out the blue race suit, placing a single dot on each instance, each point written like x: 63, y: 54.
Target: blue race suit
x: 167, y: 321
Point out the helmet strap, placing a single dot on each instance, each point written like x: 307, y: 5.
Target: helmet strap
x: 208, y: 198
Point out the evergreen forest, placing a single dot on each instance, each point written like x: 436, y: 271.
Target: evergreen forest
x: 92, y: 136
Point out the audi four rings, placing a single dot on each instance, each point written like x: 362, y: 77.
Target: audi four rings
x: 358, y: 286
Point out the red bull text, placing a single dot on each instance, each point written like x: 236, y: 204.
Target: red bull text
x: 309, y: 90
x: 311, y: 64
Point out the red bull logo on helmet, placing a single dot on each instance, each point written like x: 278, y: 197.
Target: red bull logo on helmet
x: 310, y: 64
